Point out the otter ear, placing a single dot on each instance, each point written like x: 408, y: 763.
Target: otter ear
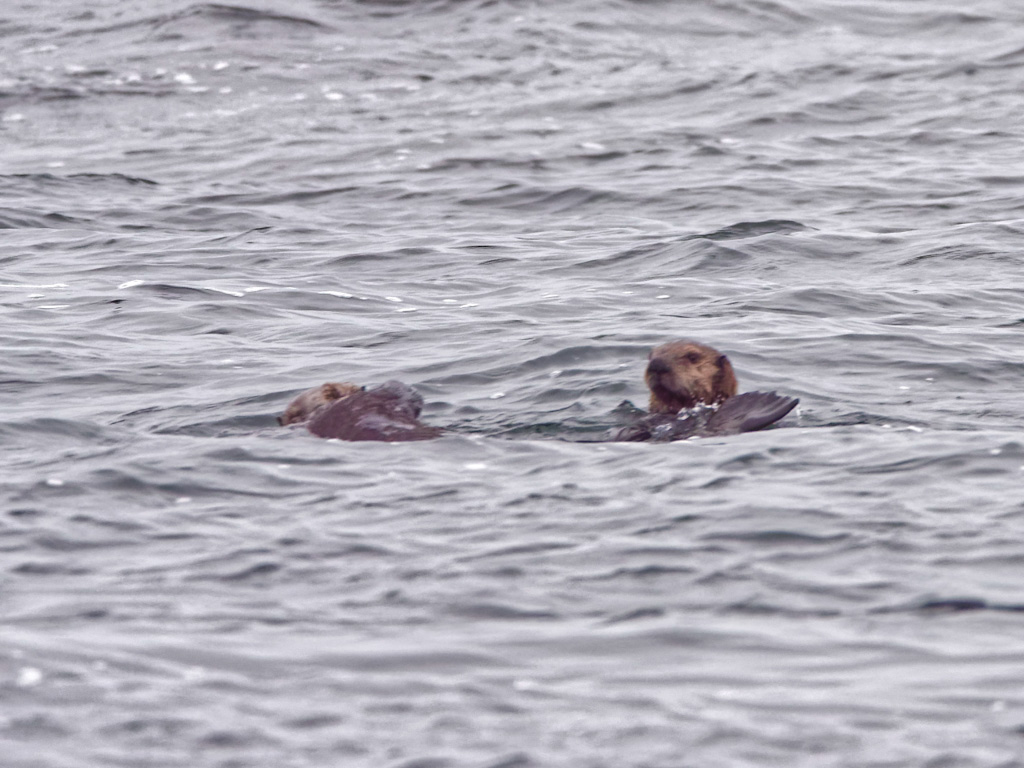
x: 725, y: 379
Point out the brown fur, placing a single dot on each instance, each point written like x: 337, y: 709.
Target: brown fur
x: 312, y: 400
x: 683, y: 374
x: 389, y: 413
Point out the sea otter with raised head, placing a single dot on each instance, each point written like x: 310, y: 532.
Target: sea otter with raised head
x: 693, y: 394
x: 387, y: 413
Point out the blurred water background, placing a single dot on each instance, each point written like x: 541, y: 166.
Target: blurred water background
x: 207, y: 207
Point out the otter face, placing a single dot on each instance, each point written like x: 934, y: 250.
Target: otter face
x: 312, y: 400
x: 682, y: 374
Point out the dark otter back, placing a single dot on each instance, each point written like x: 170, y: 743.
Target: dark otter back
x: 664, y: 427
x: 741, y: 413
x: 748, y: 412
x: 387, y: 413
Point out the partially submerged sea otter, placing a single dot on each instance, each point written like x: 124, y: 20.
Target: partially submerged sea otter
x: 343, y: 411
x: 312, y: 400
x: 693, y: 394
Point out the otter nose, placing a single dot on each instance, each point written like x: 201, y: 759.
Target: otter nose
x: 657, y: 365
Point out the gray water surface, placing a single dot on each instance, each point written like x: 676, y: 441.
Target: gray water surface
x: 208, y: 207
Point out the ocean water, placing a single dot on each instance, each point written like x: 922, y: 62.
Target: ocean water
x: 208, y: 207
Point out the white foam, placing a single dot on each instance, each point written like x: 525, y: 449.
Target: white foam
x: 28, y: 677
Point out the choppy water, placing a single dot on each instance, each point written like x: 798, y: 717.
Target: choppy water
x: 209, y: 207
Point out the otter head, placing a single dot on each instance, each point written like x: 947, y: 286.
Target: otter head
x: 312, y: 400
x: 682, y: 374
x: 403, y: 401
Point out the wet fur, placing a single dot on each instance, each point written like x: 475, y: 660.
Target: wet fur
x: 388, y: 413
x: 312, y: 400
x: 684, y: 374
x: 693, y: 394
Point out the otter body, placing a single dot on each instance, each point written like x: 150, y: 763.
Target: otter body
x: 312, y: 400
x: 693, y: 394
x: 388, y: 413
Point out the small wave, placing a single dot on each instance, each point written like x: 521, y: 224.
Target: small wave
x: 216, y: 15
x: 17, y: 219
x: 51, y: 181
x: 539, y: 200
x: 952, y: 605
x: 499, y: 612
x: 748, y: 229
x: 689, y: 254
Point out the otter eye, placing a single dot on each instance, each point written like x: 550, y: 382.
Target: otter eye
x: 692, y: 357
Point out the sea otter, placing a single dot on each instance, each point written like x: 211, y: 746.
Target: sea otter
x: 388, y: 413
x: 312, y: 400
x: 693, y: 394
